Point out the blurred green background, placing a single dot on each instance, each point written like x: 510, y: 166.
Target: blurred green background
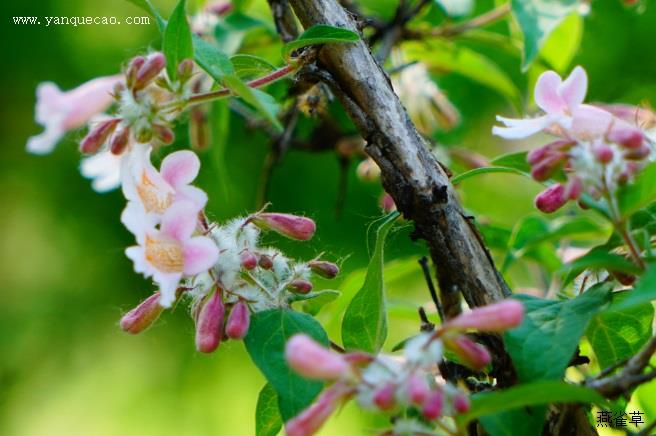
x: 67, y: 369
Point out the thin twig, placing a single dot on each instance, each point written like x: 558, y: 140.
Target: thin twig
x: 431, y: 287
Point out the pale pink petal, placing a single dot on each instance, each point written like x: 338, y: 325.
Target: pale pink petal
x: 574, y: 88
x: 168, y: 285
x: 590, y: 122
x: 519, y: 129
x: 89, y: 99
x: 200, y: 253
x: 137, y: 255
x: 179, y: 220
x: 50, y: 102
x: 136, y: 220
x: 180, y: 168
x: 546, y: 93
x: 192, y: 194
x: 104, y: 169
x: 45, y: 142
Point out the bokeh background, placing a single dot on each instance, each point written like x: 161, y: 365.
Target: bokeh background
x: 65, y: 366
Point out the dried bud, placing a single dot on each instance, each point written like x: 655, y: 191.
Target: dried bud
x: 368, y: 170
x: 325, y: 269
x: 150, y: 69
x: 142, y: 316
x: 461, y: 403
x: 144, y: 134
x: 497, y: 317
x: 209, y: 324
x: 417, y: 390
x: 119, y: 140
x: 131, y: 73
x: 199, y: 129
x: 163, y: 133
x: 470, y: 353
x: 300, y: 286
x: 433, y: 406
x: 185, y: 70
x: 238, y: 321
x: 551, y: 199
x: 384, y: 397
x: 265, y: 262
x: 638, y: 153
x: 291, y: 226
x: 97, y: 136
x: 248, y: 260
x: 312, y: 360
x: 312, y: 418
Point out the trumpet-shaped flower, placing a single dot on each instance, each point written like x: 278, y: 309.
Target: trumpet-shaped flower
x: 170, y: 252
x: 156, y: 190
x: 60, y: 111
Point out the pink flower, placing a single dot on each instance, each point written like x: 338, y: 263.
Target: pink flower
x: 171, y: 252
x: 60, y: 112
x: 558, y: 98
x: 157, y: 190
x: 312, y: 418
x: 497, y: 317
x: 312, y: 360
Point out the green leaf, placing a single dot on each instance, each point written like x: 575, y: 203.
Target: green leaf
x: 643, y: 292
x: 618, y: 334
x: 320, y: 34
x: 542, y: 346
x: 364, y: 326
x: 486, y: 170
x: 640, y: 193
x: 513, y: 160
x: 527, y: 420
x: 317, y: 300
x: 537, y: 19
x: 265, y: 342
x: 598, y: 259
x: 268, y: 421
x: 529, y: 394
x: 177, y: 45
x: 147, y: 6
x: 248, y: 67
x: 562, y: 45
x: 264, y: 103
x: 211, y: 59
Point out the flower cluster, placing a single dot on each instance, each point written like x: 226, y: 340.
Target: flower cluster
x: 393, y: 384
x: 597, y: 150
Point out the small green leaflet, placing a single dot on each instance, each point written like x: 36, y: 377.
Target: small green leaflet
x: 515, y: 160
x: 320, y: 34
x: 643, y: 292
x: 147, y: 6
x: 544, y: 344
x: 486, y: 170
x: 364, y: 326
x: 268, y: 421
x: 249, y: 67
x: 318, y: 300
x: 177, y: 45
x: 264, y: 103
x: 265, y: 342
x: 640, y: 193
x: 616, y: 335
x: 529, y: 394
x: 212, y: 60
x: 598, y: 258
x: 537, y: 19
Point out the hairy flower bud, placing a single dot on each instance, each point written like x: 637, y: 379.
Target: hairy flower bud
x: 265, y: 262
x: 384, y: 397
x: 325, y: 269
x: 312, y: 360
x: 185, y: 70
x: 248, y: 260
x: 470, y: 353
x: 638, y: 153
x: 300, y: 286
x: 142, y: 316
x: 433, y: 406
x: 163, y: 133
x: 119, y: 140
x: 386, y: 203
x: 603, y: 152
x: 209, y: 324
x: 135, y: 64
x: 497, y: 317
x: 312, y: 418
x: 238, y: 321
x: 551, y: 199
x: 461, y: 403
x: 97, y: 136
x: 150, y: 69
x: 417, y: 390
x: 545, y: 168
x: 627, y: 135
x: 291, y: 226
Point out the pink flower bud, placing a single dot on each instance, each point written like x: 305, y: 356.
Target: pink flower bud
x: 131, y: 74
x: 551, y: 199
x: 154, y: 64
x: 163, y: 134
x: 325, y: 269
x: 626, y: 135
x: 248, y: 260
x: 417, y: 389
x: 574, y: 188
x: 384, y: 397
x: 119, y: 140
x: 185, y: 70
x: 238, y: 321
x: 142, y: 316
x: 544, y: 169
x: 638, y: 153
x: 433, y: 406
x: 265, y: 262
x: 470, y: 353
x: 461, y: 403
x: 386, y: 203
x: 291, y: 226
x: 603, y: 152
x: 312, y: 418
x: 209, y: 323
x: 497, y: 317
x: 535, y: 156
x: 300, y: 286
x: 98, y: 135
x: 312, y: 360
